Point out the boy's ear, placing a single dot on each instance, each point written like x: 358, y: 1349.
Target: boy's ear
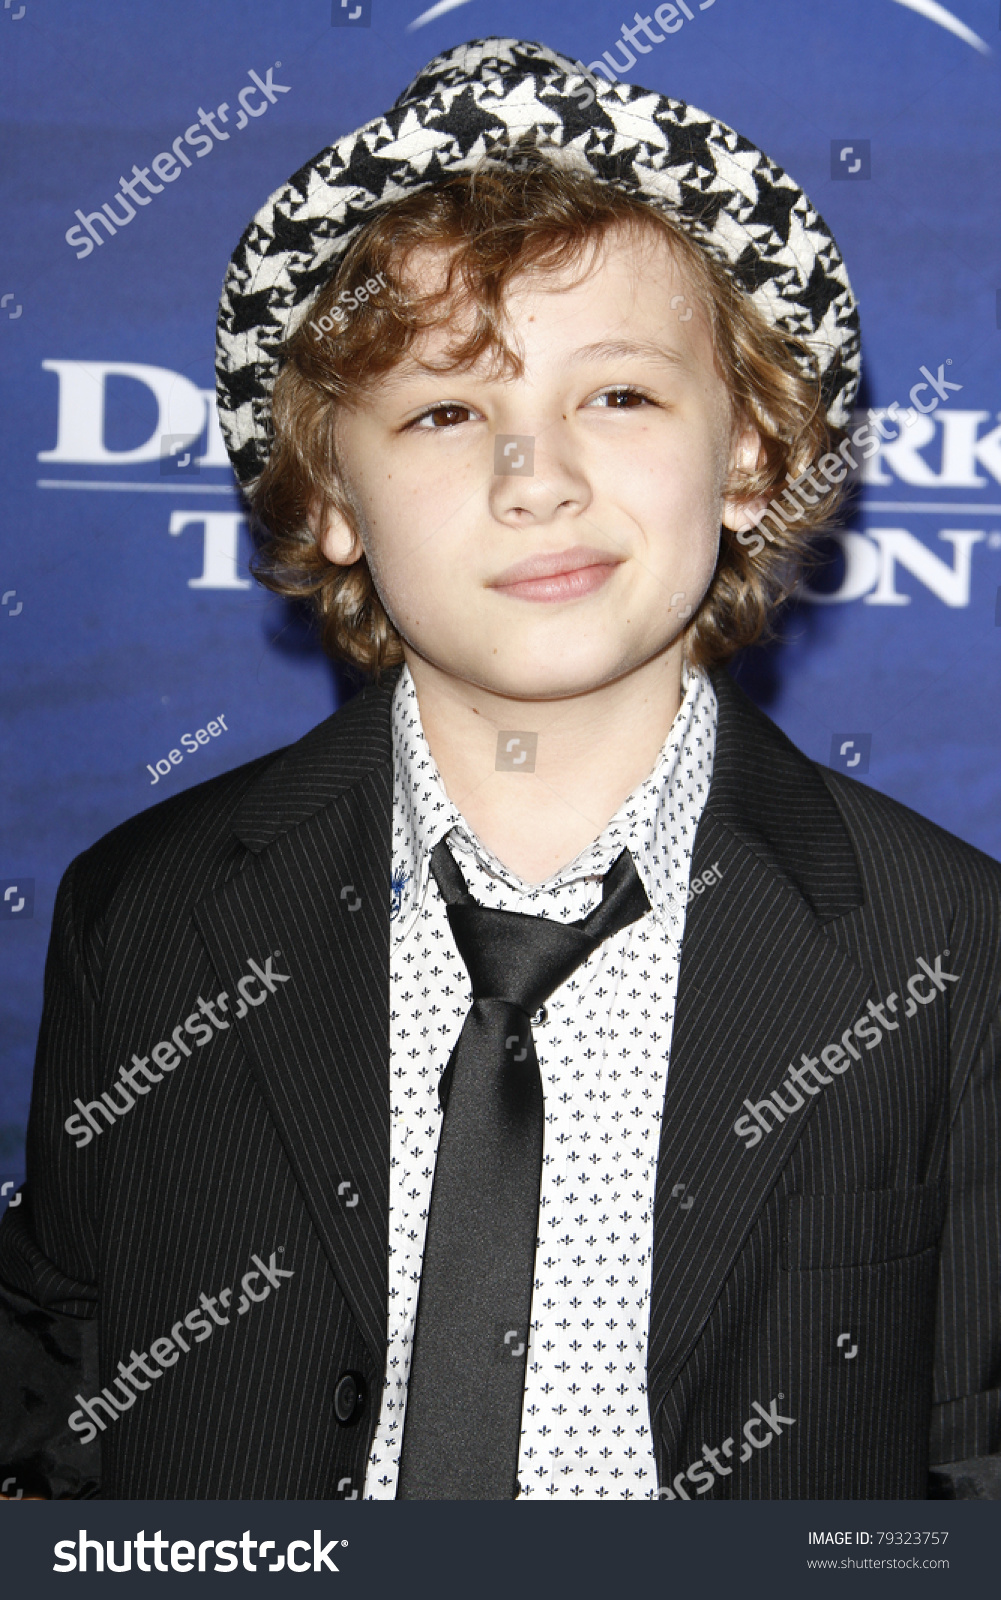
x: 740, y: 513
x: 335, y: 535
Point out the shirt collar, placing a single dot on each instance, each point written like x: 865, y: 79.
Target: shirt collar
x: 422, y: 812
x: 657, y: 822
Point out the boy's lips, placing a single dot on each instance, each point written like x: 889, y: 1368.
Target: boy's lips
x: 565, y: 575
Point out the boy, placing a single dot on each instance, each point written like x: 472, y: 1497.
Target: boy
x: 543, y: 1081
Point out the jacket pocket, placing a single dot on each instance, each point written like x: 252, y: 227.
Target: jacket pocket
x: 855, y: 1325
x: 860, y: 1229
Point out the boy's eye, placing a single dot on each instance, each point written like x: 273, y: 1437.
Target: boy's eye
x: 621, y: 399
x: 448, y: 415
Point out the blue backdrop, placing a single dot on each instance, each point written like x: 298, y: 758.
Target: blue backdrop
x: 127, y: 619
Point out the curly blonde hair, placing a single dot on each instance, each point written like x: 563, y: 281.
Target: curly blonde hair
x: 494, y: 224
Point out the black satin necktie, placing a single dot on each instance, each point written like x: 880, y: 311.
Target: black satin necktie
x: 470, y: 1350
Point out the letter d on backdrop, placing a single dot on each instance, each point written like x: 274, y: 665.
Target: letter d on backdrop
x: 80, y: 436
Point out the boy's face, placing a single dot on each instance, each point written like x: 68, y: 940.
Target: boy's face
x: 542, y: 535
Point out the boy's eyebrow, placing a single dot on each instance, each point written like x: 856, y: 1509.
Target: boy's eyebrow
x: 602, y: 350
x: 613, y: 349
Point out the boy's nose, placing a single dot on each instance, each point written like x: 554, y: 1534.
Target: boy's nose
x: 536, y: 478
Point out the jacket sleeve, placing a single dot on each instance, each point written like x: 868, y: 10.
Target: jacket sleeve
x: 966, y: 1419
x: 48, y: 1288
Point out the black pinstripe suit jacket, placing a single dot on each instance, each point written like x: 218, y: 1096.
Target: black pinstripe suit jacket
x: 871, y: 1213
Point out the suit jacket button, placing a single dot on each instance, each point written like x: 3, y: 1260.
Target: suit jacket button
x: 349, y: 1398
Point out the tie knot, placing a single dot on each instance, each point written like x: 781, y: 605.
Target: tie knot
x: 513, y: 957
x: 522, y: 959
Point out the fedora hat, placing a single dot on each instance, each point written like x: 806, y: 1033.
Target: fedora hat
x: 476, y: 102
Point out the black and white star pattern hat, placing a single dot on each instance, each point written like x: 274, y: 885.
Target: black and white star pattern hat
x: 472, y: 104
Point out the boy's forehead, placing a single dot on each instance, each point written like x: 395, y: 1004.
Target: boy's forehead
x: 628, y: 246
x: 628, y: 282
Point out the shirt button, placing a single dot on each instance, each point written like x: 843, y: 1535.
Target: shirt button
x: 349, y: 1398
x: 541, y: 1016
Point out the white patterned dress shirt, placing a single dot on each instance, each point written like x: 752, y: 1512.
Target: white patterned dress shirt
x: 603, y: 1046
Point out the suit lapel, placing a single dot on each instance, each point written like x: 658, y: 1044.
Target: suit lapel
x: 760, y: 984
x: 312, y: 893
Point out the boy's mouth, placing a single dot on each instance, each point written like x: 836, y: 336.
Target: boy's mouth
x: 565, y: 575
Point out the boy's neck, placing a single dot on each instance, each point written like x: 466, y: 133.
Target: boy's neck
x: 590, y: 753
